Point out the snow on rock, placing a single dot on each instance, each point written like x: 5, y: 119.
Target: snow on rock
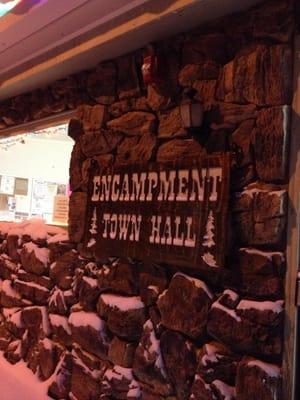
x: 271, y: 370
x: 59, y: 237
x: 228, y: 311
x: 35, y: 228
x: 6, y: 287
x: 228, y: 392
x: 267, y: 254
x: 197, y: 282
x: 42, y: 254
x: 60, y: 321
x: 122, y: 303
x: 86, y: 319
x: 209, y: 259
x: 121, y: 380
x: 274, y: 306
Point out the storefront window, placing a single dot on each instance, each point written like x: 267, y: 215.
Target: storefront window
x: 34, y: 176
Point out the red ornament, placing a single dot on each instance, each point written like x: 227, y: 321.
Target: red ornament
x: 151, y: 70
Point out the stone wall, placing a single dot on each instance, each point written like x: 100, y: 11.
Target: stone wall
x: 124, y: 329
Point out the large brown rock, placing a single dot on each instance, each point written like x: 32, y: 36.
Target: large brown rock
x: 180, y: 361
x: 136, y: 149
x: 125, y: 316
x: 92, y: 118
x: 60, y: 301
x: 260, y: 75
x: 7, y: 267
x: 179, y: 149
x: 206, y: 91
x: 34, y: 292
x: 184, y: 306
x: 170, y: 124
x: 217, y: 390
x: 190, y: 73
x: 77, y: 209
x: 258, y: 380
x: 62, y: 270
x: 148, y: 365
x: 98, y: 143
x: 120, y: 277
x: 35, y: 259
x: 61, y: 329
x: 217, y: 362
x: 134, y: 123
x: 40, y: 280
x: 13, y: 247
x: 119, y: 383
x: 229, y: 116
x: 152, y: 282
x: 61, y: 384
x: 10, y: 297
x: 77, y: 158
x: 121, y: 352
x: 88, y: 293
x: 271, y: 143
x: 253, y: 327
x: 90, y: 332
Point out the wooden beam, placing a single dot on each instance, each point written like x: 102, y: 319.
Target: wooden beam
x: 293, y: 239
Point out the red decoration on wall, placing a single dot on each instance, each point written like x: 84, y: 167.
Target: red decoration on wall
x: 152, y: 68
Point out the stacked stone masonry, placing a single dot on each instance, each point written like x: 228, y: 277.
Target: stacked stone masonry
x: 123, y: 329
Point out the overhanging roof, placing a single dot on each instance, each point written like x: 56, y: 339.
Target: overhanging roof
x: 57, y: 38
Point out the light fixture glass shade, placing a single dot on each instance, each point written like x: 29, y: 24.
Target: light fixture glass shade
x: 191, y: 114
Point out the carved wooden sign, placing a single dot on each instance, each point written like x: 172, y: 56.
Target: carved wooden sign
x: 172, y: 213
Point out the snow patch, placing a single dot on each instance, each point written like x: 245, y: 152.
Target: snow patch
x: 123, y: 303
x: 86, y: 319
x: 59, y: 320
x: 42, y: 254
x: 274, y: 306
x: 270, y: 369
x: 197, y: 282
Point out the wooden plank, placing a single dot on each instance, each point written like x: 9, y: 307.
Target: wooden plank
x: 291, y: 315
x: 173, y: 213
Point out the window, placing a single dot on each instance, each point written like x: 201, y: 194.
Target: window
x: 34, y: 175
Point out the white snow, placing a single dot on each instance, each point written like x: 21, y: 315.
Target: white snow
x: 34, y: 285
x: 90, y: 281
x: 209, y: 259
x: 197, y: 282
x: 119, y: 373
x: 228, y: 311
x: 41, y: 253
x: 208, y: 238
x: 6, y: 287
x: 35, y: 228
x: 270, y: 369
x: 123, y: 303
x: 59, y: 237
x: 59, y: 320
x: 274, y: 306
x: 82, y: 318
x: 91, y: 242
x: 18, y: 382
x: 154, y: 349
x: 211, y: 354
x: 267, y: 254
x: 233, y: 296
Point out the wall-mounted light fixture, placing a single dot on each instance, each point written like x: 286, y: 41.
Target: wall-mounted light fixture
x: 191, y: 110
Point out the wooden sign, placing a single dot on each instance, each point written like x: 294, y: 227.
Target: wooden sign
x: 172, y: 213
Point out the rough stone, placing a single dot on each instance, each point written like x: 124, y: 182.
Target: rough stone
x: 34, y: 292
x: 186, y: 293
x: 92, y: 118
x: 180, y: 361
x: 259, y: 75
x: 229, y: 116
x: 88, y: 293
x: 35, y: 259
x: 61, y: 385
x: 190, y: 73
x: 242, y: 143
x: 7, y: 267
x: 206, y: 91
x: 254, y: 380
x: 77, y: 158
x: 62, y: 270
x: 13, y: 247
x: 170, y: 124
x: 121, y: 352
x: 125, y: 316
x: 75, y: 129
x: 40, y: 280
x: 61, y: 329
x: 148, y: 365
x: 90, y: 332
x: 136, y: 150
x: 118, y: 383
x: 271, y: 143
x: 9, y: 297
x: 120, y: 277
x: 179, y: 149
x: 134, y: 123
x: 158, y: 98
x: 152, y: 282
x: 77, y: 209
x: 98, y: 143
